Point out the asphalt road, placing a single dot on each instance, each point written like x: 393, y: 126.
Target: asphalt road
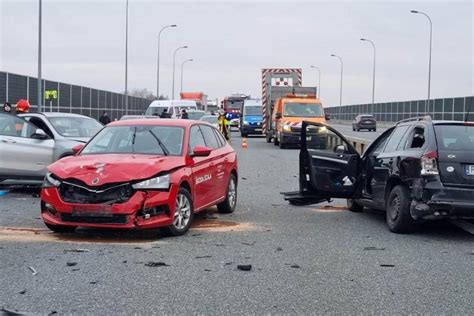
x: 305, y: 260
x: 346, y: 130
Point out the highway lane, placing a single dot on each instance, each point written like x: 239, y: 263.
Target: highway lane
x: 305, y: 260
x: 363, y: 134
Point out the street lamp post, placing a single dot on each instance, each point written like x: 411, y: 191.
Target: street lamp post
x: 158, y: 60
x: 174, y: 66
x: 429, y: 61
x: 340, y: 88
x: 319, y: 81
x: 40, y: 94
x: 373, y: 73
x: 126, y: 59
x: 182, y: 68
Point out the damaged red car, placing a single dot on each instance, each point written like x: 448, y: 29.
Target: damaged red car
x: 142, y: 174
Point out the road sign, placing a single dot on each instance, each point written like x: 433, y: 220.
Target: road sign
x: 51, y: 94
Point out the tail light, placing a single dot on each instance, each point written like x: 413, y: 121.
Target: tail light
x: 429, y: 166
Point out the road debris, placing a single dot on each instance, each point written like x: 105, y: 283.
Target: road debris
x: 9, y: 312
x: 373, y: 248
x: 33, y: 271
x: 156, y: 264
x: 23, y: 292
x: 80, y: 250
x: 244, y: 178
x: 207, y: 270
x: 279, y: 249
x: 210, y: 216
x: 295, y: 266
x: 71, y: 264
x: 244, y: 267
x: 249, y: 243
x: 387, y: 265
x: 202, y: 257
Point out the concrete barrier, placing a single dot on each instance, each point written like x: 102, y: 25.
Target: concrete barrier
x: 359, y: 144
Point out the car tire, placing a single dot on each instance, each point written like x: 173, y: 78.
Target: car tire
x: 353, y: 206
x: 374, y: 129
x: 61, y: 228
x: 282, y: 145
x: 230, y: 202
x: 398, y: 215
x: 358, y: 129
x: 183, y: 211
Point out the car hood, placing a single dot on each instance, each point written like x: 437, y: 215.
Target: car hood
x: 78, y: 139
x: 97, y: 170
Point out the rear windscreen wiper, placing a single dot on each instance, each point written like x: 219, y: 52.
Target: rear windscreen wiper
x: 163, y: 147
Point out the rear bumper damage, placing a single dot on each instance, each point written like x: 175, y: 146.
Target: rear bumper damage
x: 143, y: 210
x: 435, y: 200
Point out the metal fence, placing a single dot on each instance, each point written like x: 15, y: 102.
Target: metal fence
x: 443, y: 109
x: 71, y: 98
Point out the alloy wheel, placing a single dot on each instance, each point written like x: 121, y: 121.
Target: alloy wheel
x: 232, y: 193
x: 395, y: 204
x: 182, y: 213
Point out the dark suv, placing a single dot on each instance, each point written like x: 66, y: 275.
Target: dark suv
x: 417, y: 170
x: 364, y: 121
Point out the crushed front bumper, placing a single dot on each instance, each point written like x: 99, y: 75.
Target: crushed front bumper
x: 436, y: 200
x: 143, y: 210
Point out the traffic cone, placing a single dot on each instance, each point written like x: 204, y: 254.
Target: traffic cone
x: 244, y: 143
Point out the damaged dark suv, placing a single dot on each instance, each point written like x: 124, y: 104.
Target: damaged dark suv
x: 417, y: 170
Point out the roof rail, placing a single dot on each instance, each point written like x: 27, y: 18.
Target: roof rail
x: 426, y: 118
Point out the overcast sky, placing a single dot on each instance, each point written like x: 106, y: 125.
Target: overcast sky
x: 230, y: 41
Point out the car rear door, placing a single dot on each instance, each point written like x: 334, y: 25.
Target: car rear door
x: 329, y: 166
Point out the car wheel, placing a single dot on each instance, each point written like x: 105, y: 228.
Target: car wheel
x: 61, y: 228
x: 183, y: 214
x: 374, y: 129
x: 353, y: 206
x: 282, y: 145
x: 398, y: 215
x: 358, y: 129
x: 228, y: 206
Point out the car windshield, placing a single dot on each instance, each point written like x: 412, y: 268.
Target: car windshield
x: 294, y: 109
x: 142, y: 139
x: 253, y: 110
x: 156, y: 110
x: 195, y: 115
x: 210, y: 119
x: 455, y: 137
x: 367, y: 117
x: 75, y: 126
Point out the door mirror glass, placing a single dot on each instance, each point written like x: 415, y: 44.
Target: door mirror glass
x: 278, y: 116
x: 39, y: 134
x: 77, y: 148
x: 201, y: 151
x: 340, y: 149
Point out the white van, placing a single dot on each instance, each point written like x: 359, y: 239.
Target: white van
x: 174, y: 107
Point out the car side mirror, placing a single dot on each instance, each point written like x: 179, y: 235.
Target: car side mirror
x: 201, y: 151
x: 77, y: 148
x: 278, y: 116
x: 39, y: 134
x: 340, y: 149
x: 327, y: 117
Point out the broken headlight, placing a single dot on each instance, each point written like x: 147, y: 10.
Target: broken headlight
x: 50, y: 181
x: 161, y: 182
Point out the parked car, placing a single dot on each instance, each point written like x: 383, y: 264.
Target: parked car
x: 235, y: 122
x: 364, y: 121
x: 415, y: 171
x: 211, y: 119
x: 30, y: 142
x: 142, y: 174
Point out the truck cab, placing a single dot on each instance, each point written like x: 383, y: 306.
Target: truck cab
x: 251, y: 119
x: 288, y: 115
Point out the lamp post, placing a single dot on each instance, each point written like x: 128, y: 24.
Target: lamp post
x: 158, y: 60
x: 340, y: 88
x: 319, y: 82
x: 373, y: 73
x: 429, y: 61
x: 40, y: 90
x: 182, y: 68
x: 126, y: 60
x: 174, y: 66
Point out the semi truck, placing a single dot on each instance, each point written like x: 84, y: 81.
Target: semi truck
x: 278, y: 83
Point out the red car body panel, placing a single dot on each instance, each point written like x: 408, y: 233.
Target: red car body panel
x: 206, y: 177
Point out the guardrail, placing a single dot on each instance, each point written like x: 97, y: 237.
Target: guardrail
x: 359, y: 144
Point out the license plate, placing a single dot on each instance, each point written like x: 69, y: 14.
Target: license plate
x: 92, y: 210
x: 308, y: 138
x: 470, y: 170
x: 367, y: 122
x: 258, y: 129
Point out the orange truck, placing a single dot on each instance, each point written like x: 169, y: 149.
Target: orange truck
x: 199, y: 97
x: 288, y: 115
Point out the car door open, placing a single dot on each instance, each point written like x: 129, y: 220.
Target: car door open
x: 328, y: 166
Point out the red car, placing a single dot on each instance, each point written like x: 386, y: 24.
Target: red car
x: 142, y: 174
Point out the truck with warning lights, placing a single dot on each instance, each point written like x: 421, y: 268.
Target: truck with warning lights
x: 278, y: 83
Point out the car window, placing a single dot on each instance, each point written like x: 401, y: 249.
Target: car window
x: 395, y: 138
x: 195, y: 138
x: 415, y: 138
x: 209, y: 137
x: 220, y: 137
x: 382, y: 141
x: 41, y: 124
x: 13, y: 126
x: 455, y: 137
